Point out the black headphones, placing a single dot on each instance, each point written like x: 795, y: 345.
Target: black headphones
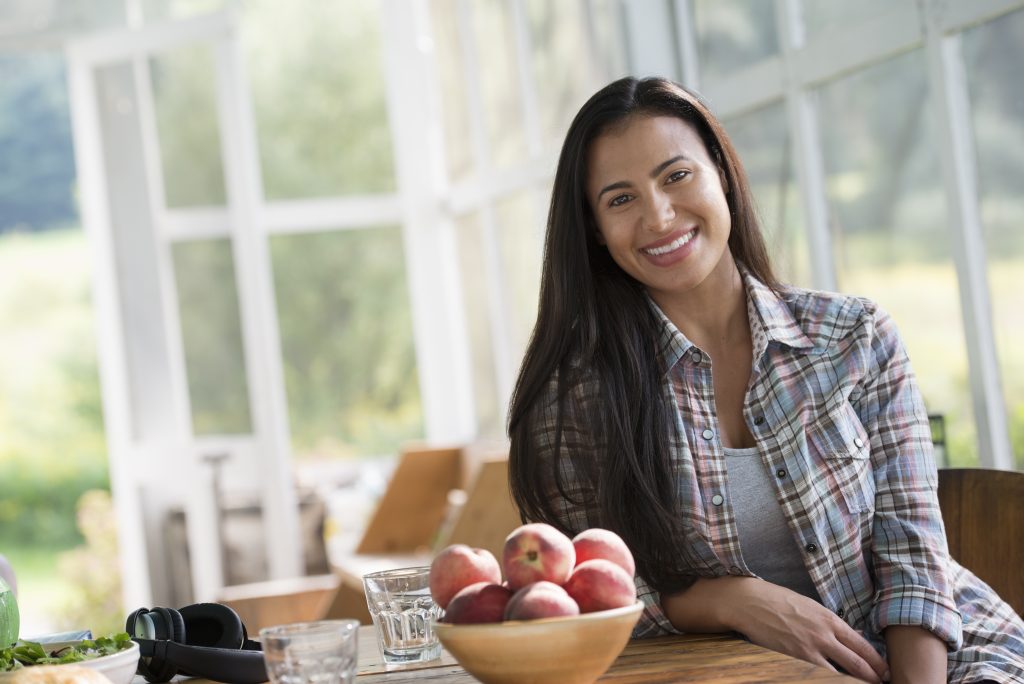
x: 202, y: 640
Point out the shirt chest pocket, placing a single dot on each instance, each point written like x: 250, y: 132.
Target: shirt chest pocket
x: 840, y: 449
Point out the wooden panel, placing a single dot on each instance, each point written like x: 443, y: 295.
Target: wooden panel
x: 488, y: 515
x: 280, y: 602
x: 983, y: 511
x: 414, y: 503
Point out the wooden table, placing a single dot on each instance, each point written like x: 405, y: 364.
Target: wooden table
x: 694, y: 657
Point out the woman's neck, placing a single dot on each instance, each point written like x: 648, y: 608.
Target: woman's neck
x: 715, y: 312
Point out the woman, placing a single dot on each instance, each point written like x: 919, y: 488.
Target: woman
x: 762, y: 449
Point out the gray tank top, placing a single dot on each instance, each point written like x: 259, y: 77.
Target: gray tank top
x: 766, y: 542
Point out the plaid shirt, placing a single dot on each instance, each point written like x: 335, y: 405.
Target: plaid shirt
x: 839, y: 422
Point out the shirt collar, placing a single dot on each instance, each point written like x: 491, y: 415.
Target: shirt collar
x: 771, y: 320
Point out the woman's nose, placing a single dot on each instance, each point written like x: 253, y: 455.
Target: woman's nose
x: 658, y: 211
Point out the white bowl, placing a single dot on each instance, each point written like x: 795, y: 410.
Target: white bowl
x: 118, y: 667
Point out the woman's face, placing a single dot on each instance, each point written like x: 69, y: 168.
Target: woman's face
x: 660, y: 204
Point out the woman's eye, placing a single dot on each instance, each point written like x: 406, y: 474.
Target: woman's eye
x: 676, y: 176
x: 619, y: 200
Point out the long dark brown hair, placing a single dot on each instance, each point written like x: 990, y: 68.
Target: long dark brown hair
x: 594, y: 324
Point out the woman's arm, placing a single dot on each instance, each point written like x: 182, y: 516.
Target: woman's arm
x: 915, y: 655
x: 776, y: 618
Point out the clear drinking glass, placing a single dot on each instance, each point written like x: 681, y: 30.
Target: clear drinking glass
x: 322, y: 652
x: 404, y: 614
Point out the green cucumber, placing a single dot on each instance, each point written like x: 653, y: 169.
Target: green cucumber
x: 10, y: 618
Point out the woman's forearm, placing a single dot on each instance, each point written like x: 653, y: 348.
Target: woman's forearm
x: 915, y: 655
x: 704, y: 606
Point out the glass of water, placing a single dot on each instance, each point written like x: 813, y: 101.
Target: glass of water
x: 322, y: 652
x: 403, y: 614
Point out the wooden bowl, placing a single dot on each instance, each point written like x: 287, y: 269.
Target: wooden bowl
x: 570, y: 650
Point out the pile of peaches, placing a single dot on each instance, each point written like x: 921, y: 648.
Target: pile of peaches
x: 546, y: 573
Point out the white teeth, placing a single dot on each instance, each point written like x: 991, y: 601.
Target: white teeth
x: 672, y: 246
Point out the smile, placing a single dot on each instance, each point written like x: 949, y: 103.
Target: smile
x: 672, y: 246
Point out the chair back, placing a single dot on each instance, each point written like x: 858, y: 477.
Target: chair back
x: 983, y: 511
x: 488, y: 514
x: 414, y: 504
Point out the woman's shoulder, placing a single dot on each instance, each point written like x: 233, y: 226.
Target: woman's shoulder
x: 826, y: 316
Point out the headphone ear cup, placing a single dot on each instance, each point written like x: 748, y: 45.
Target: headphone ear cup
x: 169, y: 626
x: 214, y: 625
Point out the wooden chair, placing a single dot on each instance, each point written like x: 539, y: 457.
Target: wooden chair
x: 983, y: 511
x: 401, y: 532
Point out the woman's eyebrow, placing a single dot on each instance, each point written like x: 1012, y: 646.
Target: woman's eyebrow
x: 665, y: 164
x: 654, y: 174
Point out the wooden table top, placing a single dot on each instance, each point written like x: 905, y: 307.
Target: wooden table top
x: 693, y: 657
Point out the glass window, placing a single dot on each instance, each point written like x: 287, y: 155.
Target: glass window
x: 825, y: 16
x: 521, y: 241
x: 452, y: 82
x: 761, y: 138
x: 499, y: 76
x: 185, y: 102
x: 888, y: 213
x: 732, y: 34
x: 993, y: 53
x: 564, y: 81
x: 472, y: 263
x: 608, y: 39
x: 315, y: 70
x: 347, y: 342
x: 211, y: 332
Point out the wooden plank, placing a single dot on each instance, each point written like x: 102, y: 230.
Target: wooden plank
x: 985, y: 511
x: 414, y: 503
x: 280, y: 602
x: 488, y: 515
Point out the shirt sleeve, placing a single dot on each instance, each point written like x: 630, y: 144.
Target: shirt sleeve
x: 910, y: 557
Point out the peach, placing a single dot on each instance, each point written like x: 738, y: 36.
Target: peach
x: 599, y: 584
x: 478, y: 603
x: 537, y: 552
x: 601, y: 543
x: 458, y: 566
x: 540, y: 600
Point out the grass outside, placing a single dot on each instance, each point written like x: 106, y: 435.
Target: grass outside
x: 41, y: 589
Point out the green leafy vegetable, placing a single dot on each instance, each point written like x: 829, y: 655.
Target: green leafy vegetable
x: 26, y: 653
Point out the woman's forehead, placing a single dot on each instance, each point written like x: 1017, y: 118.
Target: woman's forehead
x: 644, y: 140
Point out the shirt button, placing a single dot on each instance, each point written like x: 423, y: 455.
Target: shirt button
x: 811, y: 548
x: 759, y: 420
x: 708, y: 434
x: 717, y: 499
x: 696, y: 357
x: 840, y: 612
x: 781, y: 472
x: 858, y: 441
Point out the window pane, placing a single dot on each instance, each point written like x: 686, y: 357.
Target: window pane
x: 499, y: 76
x: 521, y: 238
x: 185, y: 100
x: 609, y: 39
x: 212, y: 336
x: 473, y: 268
x: 319, y: 97
x: 564, y: 81
x: 450, y: 71
x: 732, y: 34
x: 347, y: 342
x: 762, y: 140
x: 824, y: 16
x: 888, y: 214
x: 993, y: 53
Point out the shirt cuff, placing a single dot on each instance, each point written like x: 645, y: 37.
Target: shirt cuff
x: 918, y: 606
x: 653, y: 621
